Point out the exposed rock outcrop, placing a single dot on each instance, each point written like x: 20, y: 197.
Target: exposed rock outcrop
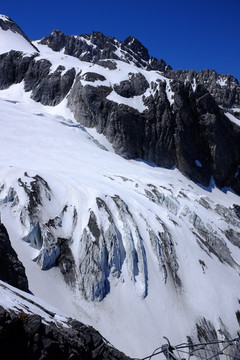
x: 182, y: 124
x: 96, y: 47
x: 25, y: 336
x: 193, y: 133
x: 12, y: 270
x: 207, y: 341
x: 224, y: 88
x: 46, y: 87
x: 136, y: 85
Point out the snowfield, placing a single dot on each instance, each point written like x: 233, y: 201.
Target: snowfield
x: 78, y: 170
x: 150, y: 253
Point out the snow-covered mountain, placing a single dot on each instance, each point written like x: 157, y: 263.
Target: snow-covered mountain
x: 119, y: 187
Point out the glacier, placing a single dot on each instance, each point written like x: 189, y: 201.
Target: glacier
x: 136, y: 250
x: 149, y: 246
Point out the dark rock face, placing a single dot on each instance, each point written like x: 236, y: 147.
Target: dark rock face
x: 203, y: 133
x: 110, y: 64
x: 11, y: 269
x: 42, y: 236
x: 47, y: 88
x: 34, y: 192
x: 122, y: 125
x: 66, y: 262
x: 96, y: 47
x: 92, y: 77
x: 53, y: 88
x: 136, y: 85
x: 26, y: 337
x: 192, y: 134
x: 189, y: 131
x: 224, y: 88
x: 13, y: 67
x: 86, y: 47
x: 159, y: 65
x: 138, y: 48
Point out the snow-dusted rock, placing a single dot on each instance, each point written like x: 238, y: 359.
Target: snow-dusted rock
x: 121, y: 241
x: 169, y: 123
x: 31, y: 329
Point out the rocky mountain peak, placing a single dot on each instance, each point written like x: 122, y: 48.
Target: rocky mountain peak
x: 6, y: 24
x: 175, y: 121
x: 96, y: 46
x: 137, y: 47
x: 55, y: 40
x: 4, y: 18
x: 100, y: 40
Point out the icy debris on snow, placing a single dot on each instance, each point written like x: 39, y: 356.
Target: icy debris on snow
x: 34, y: 238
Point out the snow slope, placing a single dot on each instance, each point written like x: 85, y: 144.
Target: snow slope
x: 17, y: 300
x: 78, y: 170
x: 12, y: 40
x: 152, y: 253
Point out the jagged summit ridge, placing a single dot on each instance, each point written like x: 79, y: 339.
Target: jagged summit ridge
x: 8, y: 24
x: 224, y: 88
x: 96, y: 46
x: 13, y: 38
x: 162, y: 116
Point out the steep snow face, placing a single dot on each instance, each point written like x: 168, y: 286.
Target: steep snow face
x: 96, y: 47
x: 30, y: 327
x: 120, y: 242
x: 13, y: 41
x: 12, y: 38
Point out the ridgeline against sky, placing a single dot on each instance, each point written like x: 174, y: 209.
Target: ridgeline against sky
x: 186, y: 34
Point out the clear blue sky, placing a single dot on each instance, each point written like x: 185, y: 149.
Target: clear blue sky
x: 187, y: 34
